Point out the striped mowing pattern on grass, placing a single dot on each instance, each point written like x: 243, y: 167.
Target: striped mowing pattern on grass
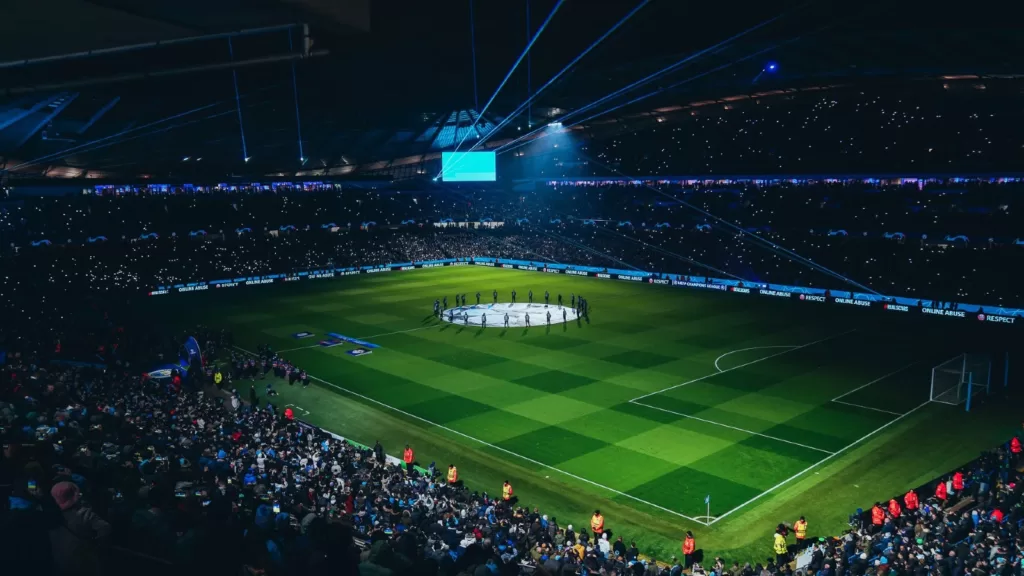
x: 659, y: 399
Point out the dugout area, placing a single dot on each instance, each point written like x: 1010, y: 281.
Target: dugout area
x: 663, y: 397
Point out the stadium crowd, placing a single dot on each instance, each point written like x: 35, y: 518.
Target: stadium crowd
x: 931, y: 126
x: 104, y: 469
x: 945, y: 239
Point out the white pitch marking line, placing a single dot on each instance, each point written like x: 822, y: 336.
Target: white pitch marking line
x: 745, y: 349
x: 787, y: 351
x: 823, y: 460
x: 299, y: 348
x: 879, y: 379
x: 363, y: 337
x: 489, y: 445
x: 397, y: 332
x: 751, y: 432
x: 868, y: 407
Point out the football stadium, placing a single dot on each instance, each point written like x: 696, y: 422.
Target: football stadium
x: 581, y: 295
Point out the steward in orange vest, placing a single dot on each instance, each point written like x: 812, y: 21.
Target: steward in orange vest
x: 453, y: 474
x: 597, y: 524
x: 958, y: 481
x: 877, y: 515
x: 1015, y: 446
x: 800, y: 527
x: 894, y: 508
x: 506, y: 491
x: 940, y: 492
x: 408, y: 458
x: 910, y: 500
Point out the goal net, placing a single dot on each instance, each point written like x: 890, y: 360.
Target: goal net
x: 956, y: 380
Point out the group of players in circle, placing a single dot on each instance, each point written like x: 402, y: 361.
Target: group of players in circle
x: 580, y: 304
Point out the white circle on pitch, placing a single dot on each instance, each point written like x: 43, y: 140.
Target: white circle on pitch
x: 493, y: 315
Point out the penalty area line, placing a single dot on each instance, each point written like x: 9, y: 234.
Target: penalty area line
x: 745, y: 349
x: 823, y: 460
x: 868, y: 407
x: 879, y: 379
x: 738, y: 429
x: 752, y: 362
x: 489, y: 445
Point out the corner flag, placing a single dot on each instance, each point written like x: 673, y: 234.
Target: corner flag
x: 707, y: 499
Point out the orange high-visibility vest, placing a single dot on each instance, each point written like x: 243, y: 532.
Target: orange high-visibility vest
x: 940, y: 491
x: 597, y: 524
x: 958, y: 481
x: 407, y: 456
x: 800, y: 527
x: 1015, y: 446
x: 877, y: 516
x: 453, y: 474
x: 689, y: 545
x: 506, y: 491
x: 894, y: 508
x: 910, y: 500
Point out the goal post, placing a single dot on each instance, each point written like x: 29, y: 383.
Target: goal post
x: 959, y: 379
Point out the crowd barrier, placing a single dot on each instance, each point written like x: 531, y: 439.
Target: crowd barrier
x: 818, y: 296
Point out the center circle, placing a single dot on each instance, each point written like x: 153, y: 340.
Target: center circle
x: 493, y: 315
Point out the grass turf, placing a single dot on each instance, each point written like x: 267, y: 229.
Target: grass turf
x: 773, y: 408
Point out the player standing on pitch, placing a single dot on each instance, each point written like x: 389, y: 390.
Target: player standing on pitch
x: 513, y: 295
x: 495, y: 296
x: 559, y: 299
x: 483, y: 319
x: 478, y: 298
x: 437, y: 307
x: 506, y: 319
x: 547, y: 298
x: 572, y: 301
x: 527, y: 319
x: 445, y: 305
x: 549, y: 317
x: 565, y: 315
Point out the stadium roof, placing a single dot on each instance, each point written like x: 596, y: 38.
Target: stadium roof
x: 383, y: 91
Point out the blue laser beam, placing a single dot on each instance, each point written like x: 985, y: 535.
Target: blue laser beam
x: 568, y: 67
x: 649, y: 78
x: 513, y: 69
x: 295, y: 93
x: 744, y: 234
x: 238, y: 104
x: 513, y: 146
x: 73, y: 149
x: 472, y: 45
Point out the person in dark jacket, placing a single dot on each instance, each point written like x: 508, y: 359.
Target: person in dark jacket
x: 77, y: 543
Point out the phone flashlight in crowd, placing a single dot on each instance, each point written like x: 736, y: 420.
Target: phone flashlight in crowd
x: 206, y: 502
x: 31, y: 484
x: 180, y: 494
x: 277, y: 508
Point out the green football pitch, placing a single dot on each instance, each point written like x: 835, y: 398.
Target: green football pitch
x: 773, y: 409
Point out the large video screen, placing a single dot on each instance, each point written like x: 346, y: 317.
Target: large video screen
x: 468, y: 167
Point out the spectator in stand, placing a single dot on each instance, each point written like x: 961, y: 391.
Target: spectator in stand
x: 79, y: 540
